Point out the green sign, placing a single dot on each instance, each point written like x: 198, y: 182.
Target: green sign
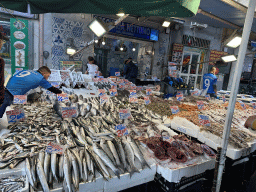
x: 19, y: 44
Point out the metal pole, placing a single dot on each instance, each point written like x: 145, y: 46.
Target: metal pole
x: 234, y: 88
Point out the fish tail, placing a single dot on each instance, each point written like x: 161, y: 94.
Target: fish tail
x: 117, y: 173
x: 133, y: 170
x: 145, y: 164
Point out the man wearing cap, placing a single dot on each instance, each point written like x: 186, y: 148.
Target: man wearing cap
x: 2, y: 65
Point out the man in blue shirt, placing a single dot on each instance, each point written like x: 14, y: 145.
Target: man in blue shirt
x: 209, y: 82
x: 23, y: 81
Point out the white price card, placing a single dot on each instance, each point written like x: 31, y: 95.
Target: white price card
x: 16, y: 115
x: 20, y: 99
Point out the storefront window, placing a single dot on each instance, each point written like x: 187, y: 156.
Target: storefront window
x: 191, y: 71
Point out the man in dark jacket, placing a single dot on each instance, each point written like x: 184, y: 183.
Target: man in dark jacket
x: 131, y: 71
x: 2, y: 65
x: 23, y: 81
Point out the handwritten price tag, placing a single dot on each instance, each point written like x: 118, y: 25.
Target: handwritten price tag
x: 55, y: 148
x: 69, y: 112
x: 124, y: 113
x: 139, y: 88
x: 121, y: 130
x: 204, y: 120
x: 175, y: 109
x: 208, y: 97
x: 113, y: 92
x: 253, y: 105
x: 63, y: 97
x: 242, y: 105
x: 103, y: 99
x: 121, y: 85
x: 20, y: 99
x: 147, y: 100
x: 133, y: 100
x: 200, y: 105
x: 148, y: 91
x: 16, y: 115
x: 102, y: 92
x: 195, y: 93
x: 132, y: 93
x: 117, y: 74
x: 179, y: 97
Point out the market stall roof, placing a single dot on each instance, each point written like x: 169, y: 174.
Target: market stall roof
x: 229, y: 11
x: 166, y: 8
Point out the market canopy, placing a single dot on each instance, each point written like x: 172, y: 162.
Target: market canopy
x: 165, y: 8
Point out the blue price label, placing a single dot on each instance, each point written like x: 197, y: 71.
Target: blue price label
x: 124, y: 114
x: 174, y: 109
x: 15, y: 115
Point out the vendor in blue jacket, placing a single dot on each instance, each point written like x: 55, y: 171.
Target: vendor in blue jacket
x: 23, y: 81
x: 210, y: 81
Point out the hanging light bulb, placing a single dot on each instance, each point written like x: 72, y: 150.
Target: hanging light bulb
x: 133, y: 49
x: 96, y: 41
x: 121, y: 48
x: 103, y: 43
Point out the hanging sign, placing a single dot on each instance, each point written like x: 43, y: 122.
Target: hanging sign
x: 16, y: 115
x: 208, y: 97
x: 174, y: 109
x: 148, y: 91
x: 63, y: 97
x: 55, y: 148
x: 19, y: 44
x: 113, y: 92
x: 179, y: 97
x: 69, y: 112
x: 200, y: 105
x: 117, y: 74
x: 147, y: 100
x: 103, y: 99
x: 102, y: 92
x: 204, y: 120
x: 121, y: 130
x: 20, y: 99
x: 124, y: 113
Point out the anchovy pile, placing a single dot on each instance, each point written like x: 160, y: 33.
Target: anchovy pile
x: 12, y: 183
x: 103, y: 85
x: 90, y: 139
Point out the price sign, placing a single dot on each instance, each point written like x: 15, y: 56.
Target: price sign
x: 175, y: 109
x: 243, y: 97
x: 55, y: 148
x: 208, y: 97
x: 253, y: 105
x: 195, y: 93
x: 121, y: 130
x: 242, y: 105
x: 133, y: 87
x: 223, y: 98
x: 179, y: 97
x: 148, y: 91
x: 147, y: 101
x: 133, y: 100
x: 204, y: 120
x: 132, y: 93
x: 55, y: 84
x: 179, y: 93
x: 121, y: 85
x: 103, y: 99
x: 69, y: 112
x: 102, y: 92
x: 20, y: 99
x: 16, y: 115
x: 117, y: 74
x: 113, y: 92
x: 124, y: 113
x: 63, y: 97
x: 139, y: 88
x: 200, y: 105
